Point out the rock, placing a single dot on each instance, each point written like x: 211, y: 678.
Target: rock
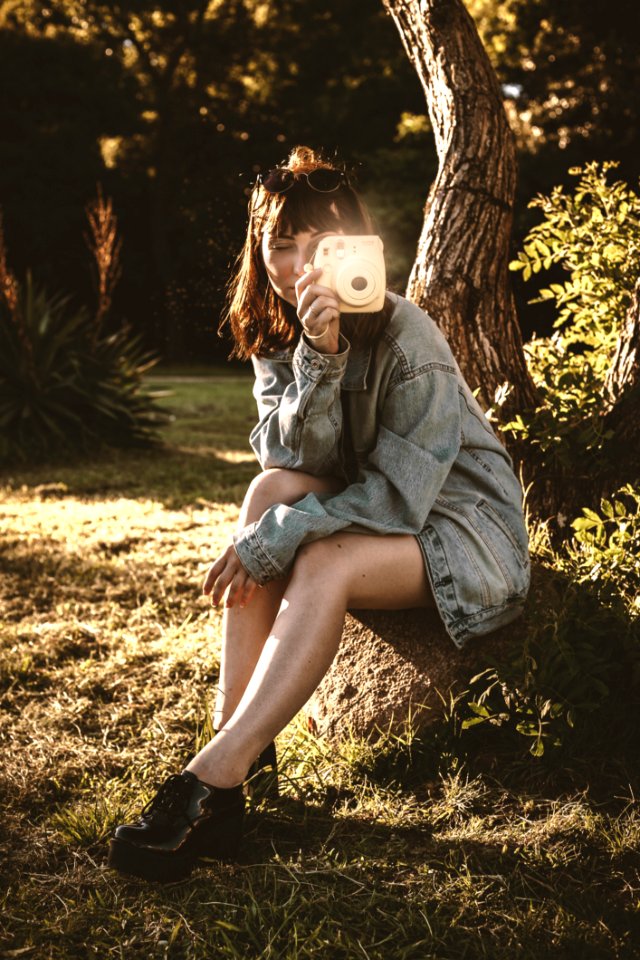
x: 390, y: 664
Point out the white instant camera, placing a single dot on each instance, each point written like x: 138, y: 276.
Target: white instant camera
x: 353, y: 267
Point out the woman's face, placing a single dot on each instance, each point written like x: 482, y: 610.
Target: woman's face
x: 284, y: 258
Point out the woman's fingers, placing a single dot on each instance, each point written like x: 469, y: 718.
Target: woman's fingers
x: 228, y: 575
x: 223, y: 581
x: 250, y: 588
x: 316, y: 298
x: 236, y: 588
x: 241, y: 589
x: 306, y: 280
x: 213, y: 573
x: 322, y: 314
x: 321, y: 303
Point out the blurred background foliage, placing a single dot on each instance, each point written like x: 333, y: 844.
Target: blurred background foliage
x: 175, y: 107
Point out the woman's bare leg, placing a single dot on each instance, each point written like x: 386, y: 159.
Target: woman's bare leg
x: 330, y: 575
x: 245, y: 629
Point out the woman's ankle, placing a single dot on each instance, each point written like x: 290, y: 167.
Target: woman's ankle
x: 215, y: 774
x: 219, y: 766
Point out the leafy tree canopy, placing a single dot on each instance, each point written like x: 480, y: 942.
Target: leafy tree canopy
x: 570, y: 69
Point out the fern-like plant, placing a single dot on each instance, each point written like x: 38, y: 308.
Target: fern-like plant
x: 61, y: 389
x: 65, y: 385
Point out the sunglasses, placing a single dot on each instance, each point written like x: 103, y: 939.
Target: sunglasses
x: 322, y: 179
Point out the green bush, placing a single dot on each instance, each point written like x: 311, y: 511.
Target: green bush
x: 605, y: 550
x: 594, y: 235
x: 64, y: 386
x: 581, y: 636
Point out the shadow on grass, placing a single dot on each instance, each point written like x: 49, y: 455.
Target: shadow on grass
x: 203, y: 454
x: 407, y: 890
x: 437, y: 881
x: 177, y: 477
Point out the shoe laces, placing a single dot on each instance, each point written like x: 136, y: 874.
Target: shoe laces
x: 171, y: 800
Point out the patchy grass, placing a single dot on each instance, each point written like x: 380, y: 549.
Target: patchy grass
x: 108, y: 661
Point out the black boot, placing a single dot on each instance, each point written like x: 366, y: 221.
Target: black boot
x: 262, y: 779
x: 185, y: 820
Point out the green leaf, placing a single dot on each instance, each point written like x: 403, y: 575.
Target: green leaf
x: 584, y: 523
x: 472, y: 722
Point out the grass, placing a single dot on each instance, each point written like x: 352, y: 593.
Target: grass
x: 452, y: 848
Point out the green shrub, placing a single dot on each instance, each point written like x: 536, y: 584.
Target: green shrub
x: 605, y: 550
x: 594, y: 235
x: 581, y: 637
x: 64, y: 386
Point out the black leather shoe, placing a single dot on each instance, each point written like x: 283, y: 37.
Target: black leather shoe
x: 262, y: 779
x: 186, y: 819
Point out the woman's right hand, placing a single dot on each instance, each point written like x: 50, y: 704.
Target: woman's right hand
x: 318, y: 312
x: 228, y: 574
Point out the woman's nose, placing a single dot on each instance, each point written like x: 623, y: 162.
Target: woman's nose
x: 299, y: 262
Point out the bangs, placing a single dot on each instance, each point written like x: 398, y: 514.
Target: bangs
x: 305, y: 209
x: 302, y: 209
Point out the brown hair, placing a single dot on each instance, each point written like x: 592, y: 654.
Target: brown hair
x: 261, y: 322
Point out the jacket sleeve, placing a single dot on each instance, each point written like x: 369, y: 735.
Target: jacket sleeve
x: 299, y: 409
x: 418, y: 441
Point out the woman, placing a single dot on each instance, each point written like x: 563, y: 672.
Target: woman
x: 383, y: 486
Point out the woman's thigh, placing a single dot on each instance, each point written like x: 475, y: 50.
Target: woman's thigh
x: 375, y: 572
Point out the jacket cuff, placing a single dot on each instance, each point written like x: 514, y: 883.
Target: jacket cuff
x: 321, y: 366
x: 254, y: 556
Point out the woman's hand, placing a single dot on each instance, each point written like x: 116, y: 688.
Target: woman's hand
x: 319, y: 312
x: 228, y: 572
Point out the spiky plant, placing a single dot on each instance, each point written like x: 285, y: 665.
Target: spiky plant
x: 63, y: 390
x: 65, y: 385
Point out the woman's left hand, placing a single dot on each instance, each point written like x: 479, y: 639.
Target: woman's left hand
x: 318, y: 312
x: 228, y: 574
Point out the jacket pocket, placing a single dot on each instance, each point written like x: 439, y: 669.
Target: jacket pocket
x: 520, y: 548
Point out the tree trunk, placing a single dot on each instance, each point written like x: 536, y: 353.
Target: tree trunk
x: 460, y: 275
x: 622, y: 390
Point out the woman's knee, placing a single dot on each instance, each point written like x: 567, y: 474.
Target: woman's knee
x: 278, y: 485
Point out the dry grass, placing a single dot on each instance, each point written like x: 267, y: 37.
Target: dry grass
x: 108, y: 662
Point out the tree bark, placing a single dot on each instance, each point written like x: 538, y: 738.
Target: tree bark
x: 622, y: 392
x: 624, y: 373
x: 460, y: 275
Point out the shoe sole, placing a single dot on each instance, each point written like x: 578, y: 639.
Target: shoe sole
x: 150, y: 864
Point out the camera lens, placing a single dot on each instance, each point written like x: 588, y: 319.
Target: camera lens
x: 359, y: 283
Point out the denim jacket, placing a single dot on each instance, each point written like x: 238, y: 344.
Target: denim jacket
x: 398, y: 422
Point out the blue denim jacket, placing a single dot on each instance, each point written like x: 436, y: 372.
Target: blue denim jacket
x: 398, y: 422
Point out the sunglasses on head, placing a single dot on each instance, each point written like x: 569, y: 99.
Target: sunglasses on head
x: 322, y: 179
